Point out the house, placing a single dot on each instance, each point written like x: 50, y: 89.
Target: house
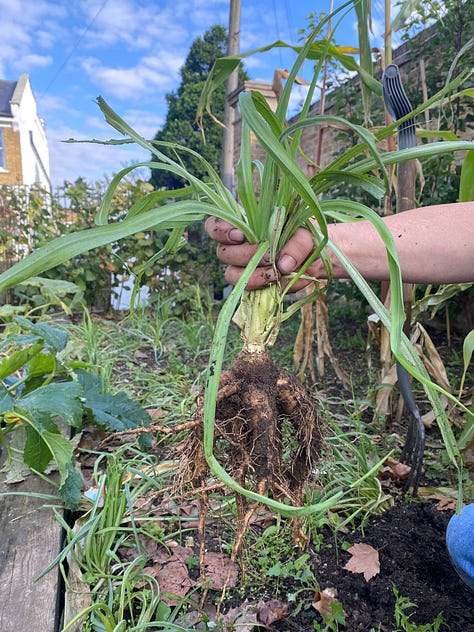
x: 24, y: 157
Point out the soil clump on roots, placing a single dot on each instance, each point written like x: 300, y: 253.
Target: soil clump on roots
x: 267, y: 436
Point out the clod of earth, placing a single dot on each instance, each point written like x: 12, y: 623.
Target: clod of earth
x: 267, y: 433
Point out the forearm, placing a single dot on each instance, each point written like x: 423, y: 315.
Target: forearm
x: 434, y: 245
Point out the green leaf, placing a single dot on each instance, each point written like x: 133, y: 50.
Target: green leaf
x: 406, y: 9
x: 56, y: 399
x: 467, y: 350
x: 18, y: 359
x: 441, y: 133
x: 36, y: 452
x: 41, y: 364
x: 466, y: 186
x: 6, y: 400
x: 61, y: 449
x: 115, y: 412
x: 52, y: 288
x: 54, y: 338
x: 71, y: 245
x: 420, y: 151
x: 70, y: 488
x: 44, y: 438
x: 363, y: 12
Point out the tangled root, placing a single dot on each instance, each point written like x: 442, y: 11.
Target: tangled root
x: 267, y: 435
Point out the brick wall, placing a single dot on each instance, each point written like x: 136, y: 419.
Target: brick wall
x: 12, y: 151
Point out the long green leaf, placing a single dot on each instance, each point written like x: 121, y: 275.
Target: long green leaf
x: 245, y: 182
x: 420, y: 151
x: 410, y: 360
x: 466, y: 185
x: 272, y: 146
x: 362, y: 9
x: 69, y: 246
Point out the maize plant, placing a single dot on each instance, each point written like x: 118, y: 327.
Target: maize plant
x: 239, y: 436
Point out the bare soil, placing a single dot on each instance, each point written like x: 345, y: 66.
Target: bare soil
x: 410, y: 539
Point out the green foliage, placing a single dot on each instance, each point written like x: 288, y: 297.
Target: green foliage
x: 132, y: 601
x: 44, y: 294
x: 31, y: 218
x: 403, y: 617
x: 39, y: 388
x: 276, y: 560
x: 287, y: 200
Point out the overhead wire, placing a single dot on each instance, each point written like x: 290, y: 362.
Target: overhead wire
x: 73, y: 49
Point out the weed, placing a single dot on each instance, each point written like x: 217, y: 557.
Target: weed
x: 277, y: 559
x: 402, y: 617
x: 333, y: 621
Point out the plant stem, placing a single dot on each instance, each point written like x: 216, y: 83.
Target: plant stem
x: 259, y: 318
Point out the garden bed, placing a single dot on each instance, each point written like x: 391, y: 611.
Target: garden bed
x: 30, y: 538
x: 283, y: 587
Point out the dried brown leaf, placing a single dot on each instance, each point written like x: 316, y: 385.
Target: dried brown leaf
x: 242, y: 618
x: 323, y: 600
x: 270, y: 611
x: 445, y: 503
x: 220, y: 570
x: 173, y: 579
x: 365, y: 559
x: 395, y: 469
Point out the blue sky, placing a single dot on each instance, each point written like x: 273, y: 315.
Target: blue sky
x: 130, y: 53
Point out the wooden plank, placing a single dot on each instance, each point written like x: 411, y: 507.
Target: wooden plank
x: 30, y: 538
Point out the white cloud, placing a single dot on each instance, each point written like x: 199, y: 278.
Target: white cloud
x: 138, y: 25
x: 146, y: 77
x: 32, y: 61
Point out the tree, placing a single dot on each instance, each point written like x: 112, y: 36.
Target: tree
x: 180, y: 127
x: 180, y: 124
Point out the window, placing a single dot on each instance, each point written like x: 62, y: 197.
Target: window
x: 2, y: 152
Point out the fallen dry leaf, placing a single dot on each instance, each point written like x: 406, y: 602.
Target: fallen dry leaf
x: 270, y: 611
x: 220, y: 570
x: 365, y: 559
x: 173, y: 579
x: 395, y: 469
x: 323, y: 600
x: 243, y: 618
x: 444, y: 502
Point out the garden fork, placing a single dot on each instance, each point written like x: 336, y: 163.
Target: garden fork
x: 398, y: 106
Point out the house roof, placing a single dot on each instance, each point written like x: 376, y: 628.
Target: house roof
x: 7, y: 88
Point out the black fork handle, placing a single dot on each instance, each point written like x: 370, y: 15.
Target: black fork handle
x: 399, y: 107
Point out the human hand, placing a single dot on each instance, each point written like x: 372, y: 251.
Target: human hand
x: 233, y: 250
